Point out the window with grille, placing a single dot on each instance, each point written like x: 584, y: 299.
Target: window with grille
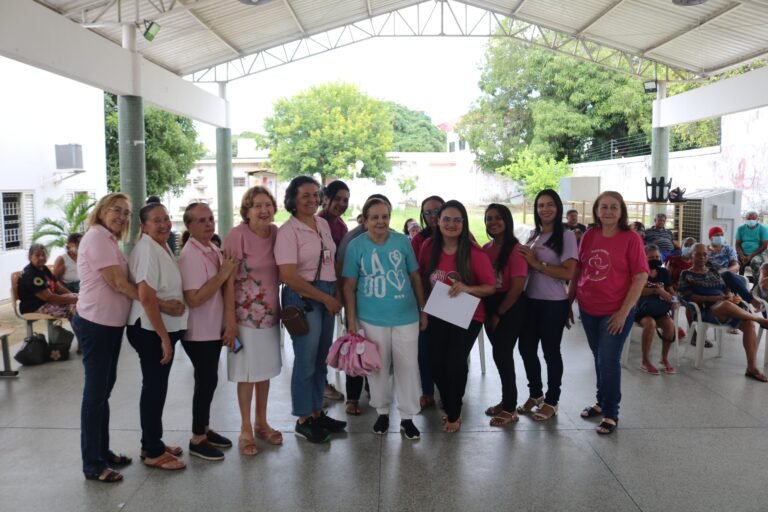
x: 238, y: 181
x: 462, y: 145
x: 11, y: 224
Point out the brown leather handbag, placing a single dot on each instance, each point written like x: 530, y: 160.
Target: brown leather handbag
x: 295, y: 320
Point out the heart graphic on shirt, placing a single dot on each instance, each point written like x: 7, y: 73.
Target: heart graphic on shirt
x: 396, y: 279
x: 395, y: 258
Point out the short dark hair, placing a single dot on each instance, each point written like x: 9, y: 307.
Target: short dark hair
x: 144, y: 212
x: 153, y: 200
x: 293, y: 190
x: 333, y: 188
x: 37, y: 247
x: 74, y: 238
x: 572, y: 210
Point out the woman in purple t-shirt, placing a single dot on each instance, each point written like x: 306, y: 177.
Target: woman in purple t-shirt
x: 551, y: 253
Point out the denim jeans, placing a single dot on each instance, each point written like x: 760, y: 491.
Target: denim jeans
x: 545, y: 321
x: 310, y: 351
x: 101, y: 350
x: 606, y: 348
x: 154, y: 385
x: 737, y: 285
x: 205, y: 360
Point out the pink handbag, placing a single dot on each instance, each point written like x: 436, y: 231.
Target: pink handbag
x: 354, y: 355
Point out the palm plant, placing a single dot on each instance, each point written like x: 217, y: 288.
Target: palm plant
x: 74, y: 214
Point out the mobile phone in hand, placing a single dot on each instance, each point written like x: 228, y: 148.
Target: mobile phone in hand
x: 238, y: 346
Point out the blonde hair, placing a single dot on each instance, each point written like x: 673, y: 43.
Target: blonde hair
x: 104, y: 204
x: 247, y: 201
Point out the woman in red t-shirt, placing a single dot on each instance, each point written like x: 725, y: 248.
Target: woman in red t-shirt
x: 450, y: 256
x: 430, y: 207
x: 505, y: 309
x: 612, y: 273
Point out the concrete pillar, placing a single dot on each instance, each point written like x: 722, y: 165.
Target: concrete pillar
x: 130, y: 115
x: 224, y: 173
x: 659, y: 144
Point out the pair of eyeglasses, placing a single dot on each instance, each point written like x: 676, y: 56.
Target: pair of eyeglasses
x: 433, y: 211
x: 120, y: 211
x: 455, y: 220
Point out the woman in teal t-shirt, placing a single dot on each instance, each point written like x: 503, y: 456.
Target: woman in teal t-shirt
x: 383, y: 296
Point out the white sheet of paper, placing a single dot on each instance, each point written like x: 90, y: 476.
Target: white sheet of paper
x: 456, y: 310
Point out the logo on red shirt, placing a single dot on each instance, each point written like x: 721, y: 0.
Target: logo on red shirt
x: 598, y: 265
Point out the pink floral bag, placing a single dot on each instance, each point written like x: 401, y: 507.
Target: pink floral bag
x: 355, y: 355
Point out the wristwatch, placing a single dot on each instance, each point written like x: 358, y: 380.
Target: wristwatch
x: 544, y: 265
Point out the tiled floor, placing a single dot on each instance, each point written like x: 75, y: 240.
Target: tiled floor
x: 692, y: 441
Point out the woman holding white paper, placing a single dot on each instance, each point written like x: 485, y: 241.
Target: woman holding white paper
x: 452, y: 257
x: 383, y: 296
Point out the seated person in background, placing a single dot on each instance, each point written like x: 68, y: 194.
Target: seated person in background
x: 751, y: 243
x: 660, y: 236
x: 40, y: 291
x: 637, y: 227
x: 653, y: 310
x: 722, y: 258
x: 762, y: 282
x: 572, y: 224
x: 705, y: 286
x: 676, y: 264
x: 411, y: 227
x: 65, y: 266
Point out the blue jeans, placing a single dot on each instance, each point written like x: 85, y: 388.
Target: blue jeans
x: 736, y: 285
x: 101, y: 349
x: 606, y: 349
x: 310, y: 351
x: 154, y: 385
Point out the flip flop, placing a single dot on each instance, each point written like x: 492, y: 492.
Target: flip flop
x: 758, y: 376
x: 111, y: 477
x: 650, y: 369
x: 118, y: 459
x: 352, y: 408
x: 247, y: 446
x: 667, y: 368
x: 167, y: 462
x: 176, y: 451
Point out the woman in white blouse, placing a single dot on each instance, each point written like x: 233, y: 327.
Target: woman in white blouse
x: 152, y: 333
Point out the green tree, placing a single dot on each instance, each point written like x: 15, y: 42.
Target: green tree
x: 326, y: 129
x: 74, y: 213
x: 413, y: 130
x: 407, y: 185
x: 170, y: 144
x: 534, y: 172
x: 554, y: 104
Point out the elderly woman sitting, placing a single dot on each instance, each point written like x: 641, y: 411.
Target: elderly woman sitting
x: 705, y: 287
x: 40, y: 291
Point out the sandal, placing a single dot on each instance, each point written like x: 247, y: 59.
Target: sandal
x: 530, y: 404
x: 452, y: 426
x: 352, y: 408
x: 757, y: 375
x: 118, y: 459
x: 271, y: 436
x: 605, y: 428
x: 667, y: 368
x: 504, y: 418
x: 247, y: 446
x: 494, y: 410
x: 591, y: 412
x: 176, y: 451
x: 545, y: 412
x: 649, y: 369
x: 108, y: 476
x: 166, y: 461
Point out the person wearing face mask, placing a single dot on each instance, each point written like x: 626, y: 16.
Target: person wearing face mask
x: 751, y: 243
x: 676, y: 264
x: 722, y: 258
x: 653, y: 309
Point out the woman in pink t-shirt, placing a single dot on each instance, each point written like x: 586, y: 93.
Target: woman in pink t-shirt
x: 551, y: 254
x: 452, y: 257
x: 505, y: 309
x: 256, y: 312
x: 611, y: 276
x: 430, y: 207
x: 305, y: 254
x: 205, y: 276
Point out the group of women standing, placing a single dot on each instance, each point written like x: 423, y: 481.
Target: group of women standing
x: 208, y: 300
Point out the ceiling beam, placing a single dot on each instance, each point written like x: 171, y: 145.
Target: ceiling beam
x: 715, y: 16
x: 368, y: 7
x: 602, y: 14
x: 183, y: 8
x: 295, y: 18
x: 518, y: 7
x: 214, y: 33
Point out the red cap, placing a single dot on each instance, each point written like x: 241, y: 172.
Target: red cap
x: 715, y: 230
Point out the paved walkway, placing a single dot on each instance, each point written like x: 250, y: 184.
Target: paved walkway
x: 687, y: 442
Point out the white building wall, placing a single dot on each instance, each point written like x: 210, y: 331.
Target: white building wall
x: 40, y: 110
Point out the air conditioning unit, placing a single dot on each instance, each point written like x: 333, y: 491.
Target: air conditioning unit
x: 705, y: 209
x: 69, y: 156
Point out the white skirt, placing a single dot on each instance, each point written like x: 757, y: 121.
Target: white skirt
x: 260, y: 357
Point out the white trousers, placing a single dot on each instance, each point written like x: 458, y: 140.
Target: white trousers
x: 399, y: 375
